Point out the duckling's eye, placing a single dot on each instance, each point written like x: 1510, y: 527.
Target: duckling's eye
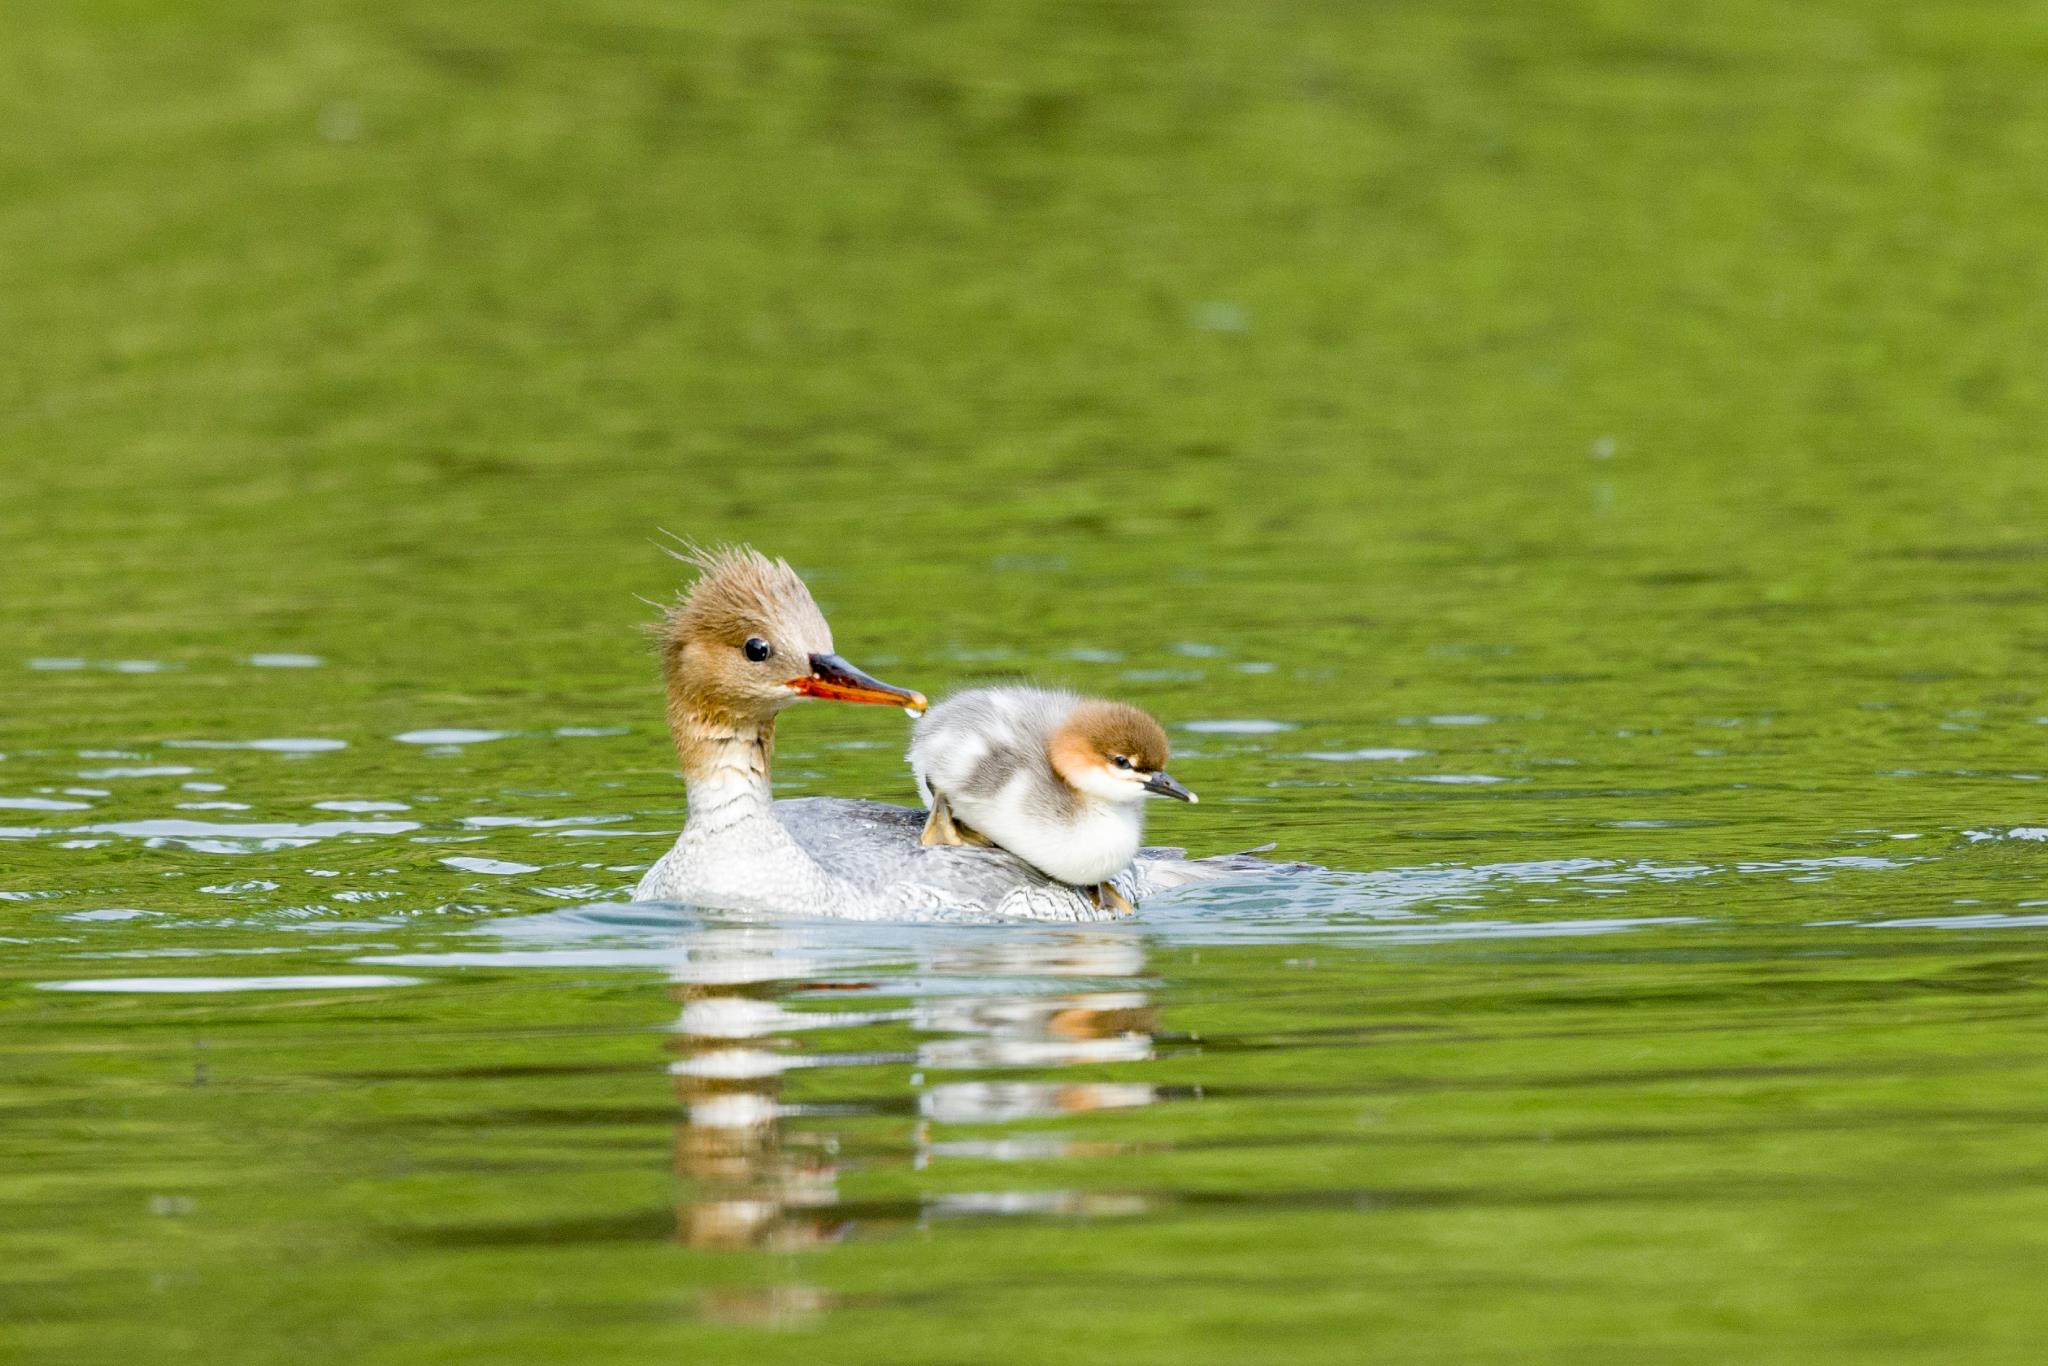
x: 1120, y: 761
x: 757, y: 649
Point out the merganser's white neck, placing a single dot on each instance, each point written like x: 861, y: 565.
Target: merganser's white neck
x: 733, y: 850
x: 725, y: 772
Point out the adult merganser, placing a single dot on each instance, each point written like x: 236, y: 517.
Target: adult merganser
x: 746, y: 641
x: 1057, y: 779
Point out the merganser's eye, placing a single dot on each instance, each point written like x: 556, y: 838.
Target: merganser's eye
x: 1120, y: 761
x: 758, y: 649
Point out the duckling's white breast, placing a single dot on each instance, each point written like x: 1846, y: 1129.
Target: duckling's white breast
x: 1094, y: 844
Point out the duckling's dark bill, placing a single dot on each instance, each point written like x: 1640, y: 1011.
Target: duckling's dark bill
x: 833, y: 678
x: 1164, y: 785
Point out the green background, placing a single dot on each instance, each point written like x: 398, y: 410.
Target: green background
x: 1656, y: 387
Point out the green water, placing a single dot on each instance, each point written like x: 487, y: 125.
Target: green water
x: 1572, y: 471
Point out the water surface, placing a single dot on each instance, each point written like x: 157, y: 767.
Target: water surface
x: 1572, y: 473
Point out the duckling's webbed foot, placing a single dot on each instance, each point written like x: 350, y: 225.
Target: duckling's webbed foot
x: 1108, y: 898
x: 939, y: 826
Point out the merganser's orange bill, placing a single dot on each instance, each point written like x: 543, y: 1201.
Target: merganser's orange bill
x: 833, y: 678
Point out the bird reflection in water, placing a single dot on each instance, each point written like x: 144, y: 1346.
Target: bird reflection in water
x: 760, y: 1172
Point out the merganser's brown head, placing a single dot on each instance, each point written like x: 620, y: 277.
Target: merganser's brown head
x: 1114, y: 751
x: 747, y: 639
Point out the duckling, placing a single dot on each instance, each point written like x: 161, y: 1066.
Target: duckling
x: 1057, y: 779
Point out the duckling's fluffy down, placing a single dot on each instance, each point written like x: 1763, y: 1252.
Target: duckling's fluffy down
x: 988, y: 752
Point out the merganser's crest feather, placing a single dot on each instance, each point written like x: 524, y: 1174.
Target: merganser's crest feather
x: 741, y: 592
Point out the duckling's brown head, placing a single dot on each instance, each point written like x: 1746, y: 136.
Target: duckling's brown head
x: 747, y: 639
x: 1114, y: 751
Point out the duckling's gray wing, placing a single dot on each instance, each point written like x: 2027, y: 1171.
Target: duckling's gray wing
x: 874, y: 847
